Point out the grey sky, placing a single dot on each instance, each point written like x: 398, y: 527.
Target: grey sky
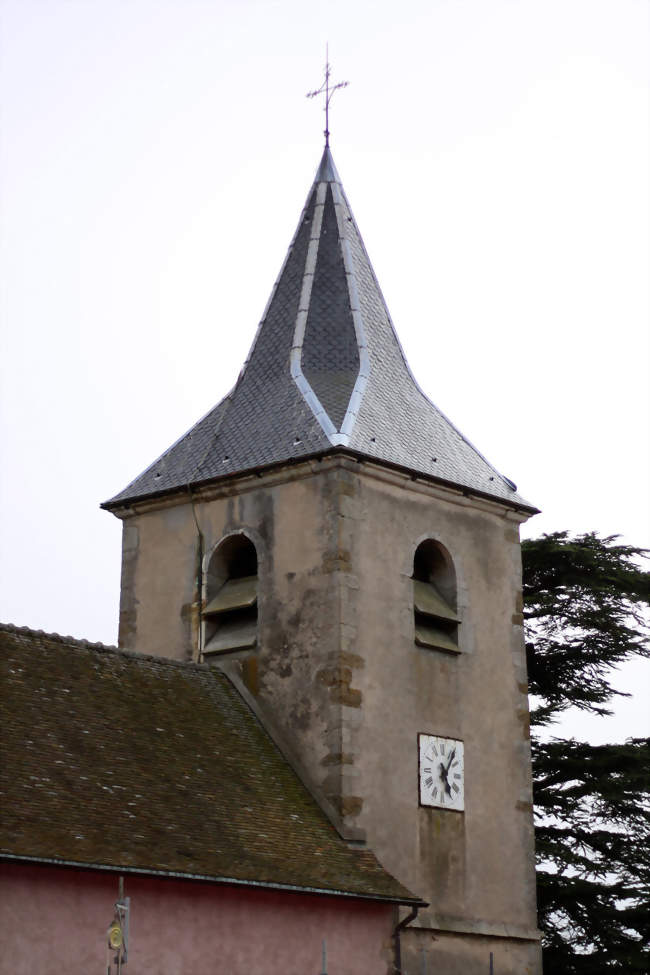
x: 155, y: 157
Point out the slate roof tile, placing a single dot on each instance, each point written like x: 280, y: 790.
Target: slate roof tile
x: 127, y: 761
x: 268, y: 419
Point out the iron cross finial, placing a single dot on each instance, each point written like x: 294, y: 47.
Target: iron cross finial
x: 327, y: 90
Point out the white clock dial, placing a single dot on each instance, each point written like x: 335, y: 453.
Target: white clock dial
x: 442, y: 772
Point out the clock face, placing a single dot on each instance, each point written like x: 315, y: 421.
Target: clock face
x: 441, y: 771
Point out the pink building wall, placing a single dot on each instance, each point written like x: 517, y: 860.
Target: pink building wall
x: 54, y: 920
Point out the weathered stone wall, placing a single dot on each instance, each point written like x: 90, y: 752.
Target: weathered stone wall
x: 297, y: 671
x: 339, y: 675
x: 441, y: 952
x: 473, y: 863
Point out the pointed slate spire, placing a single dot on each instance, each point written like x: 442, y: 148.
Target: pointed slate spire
x: 325, y: 372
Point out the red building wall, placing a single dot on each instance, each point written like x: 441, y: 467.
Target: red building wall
x: 54, y: 920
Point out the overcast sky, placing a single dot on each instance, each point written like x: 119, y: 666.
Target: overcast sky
x: 155, y: 157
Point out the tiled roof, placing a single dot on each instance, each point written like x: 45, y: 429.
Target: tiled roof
x: 326, y: 371
x: 124, y: 761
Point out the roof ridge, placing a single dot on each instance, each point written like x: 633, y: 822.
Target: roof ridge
x: 82, y: 644
x: 510, y: 484
x: 226, y: 402
x: 59, y: 637
x: 179, y: 440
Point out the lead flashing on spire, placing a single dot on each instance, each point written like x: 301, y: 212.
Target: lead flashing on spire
x: 297, y: 374
x: 355, y: 307
x: 338, y: 437
x: 326, y: 172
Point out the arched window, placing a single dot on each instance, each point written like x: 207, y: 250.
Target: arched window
x: 230, y: 614
x: 434, y: 598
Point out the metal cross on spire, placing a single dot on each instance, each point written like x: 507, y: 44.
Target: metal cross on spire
x: 327, y: 90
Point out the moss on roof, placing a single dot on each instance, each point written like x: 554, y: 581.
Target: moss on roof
x: 120, y: 760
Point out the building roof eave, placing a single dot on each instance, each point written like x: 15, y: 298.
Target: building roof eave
x: 210, y: 878
x: 115, y: 505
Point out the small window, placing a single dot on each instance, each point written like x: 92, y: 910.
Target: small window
x: 230, y: 614
x: 434, y: 598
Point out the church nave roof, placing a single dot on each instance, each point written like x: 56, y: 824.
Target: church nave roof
x: 122, y: 761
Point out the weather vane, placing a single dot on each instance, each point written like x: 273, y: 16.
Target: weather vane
x: 327, y: 90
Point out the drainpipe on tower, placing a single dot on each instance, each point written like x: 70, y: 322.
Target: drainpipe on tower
x: 396, y: 934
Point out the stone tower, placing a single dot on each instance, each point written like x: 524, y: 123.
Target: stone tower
x: 328, y: 538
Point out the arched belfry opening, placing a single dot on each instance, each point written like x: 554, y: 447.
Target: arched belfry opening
x: 434, y: 597
x: 230, y: 614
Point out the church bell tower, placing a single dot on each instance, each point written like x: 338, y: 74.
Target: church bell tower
x: 332, y: 542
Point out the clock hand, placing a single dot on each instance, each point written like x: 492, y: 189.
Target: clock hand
x: 451, y: 758
x: 443, y: 775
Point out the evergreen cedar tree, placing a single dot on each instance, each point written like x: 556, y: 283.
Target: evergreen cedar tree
x: 585, y: 612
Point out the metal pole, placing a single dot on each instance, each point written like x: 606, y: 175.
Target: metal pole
x: 327, y: 94
x: 491, y: 964
x: 324, y: 958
